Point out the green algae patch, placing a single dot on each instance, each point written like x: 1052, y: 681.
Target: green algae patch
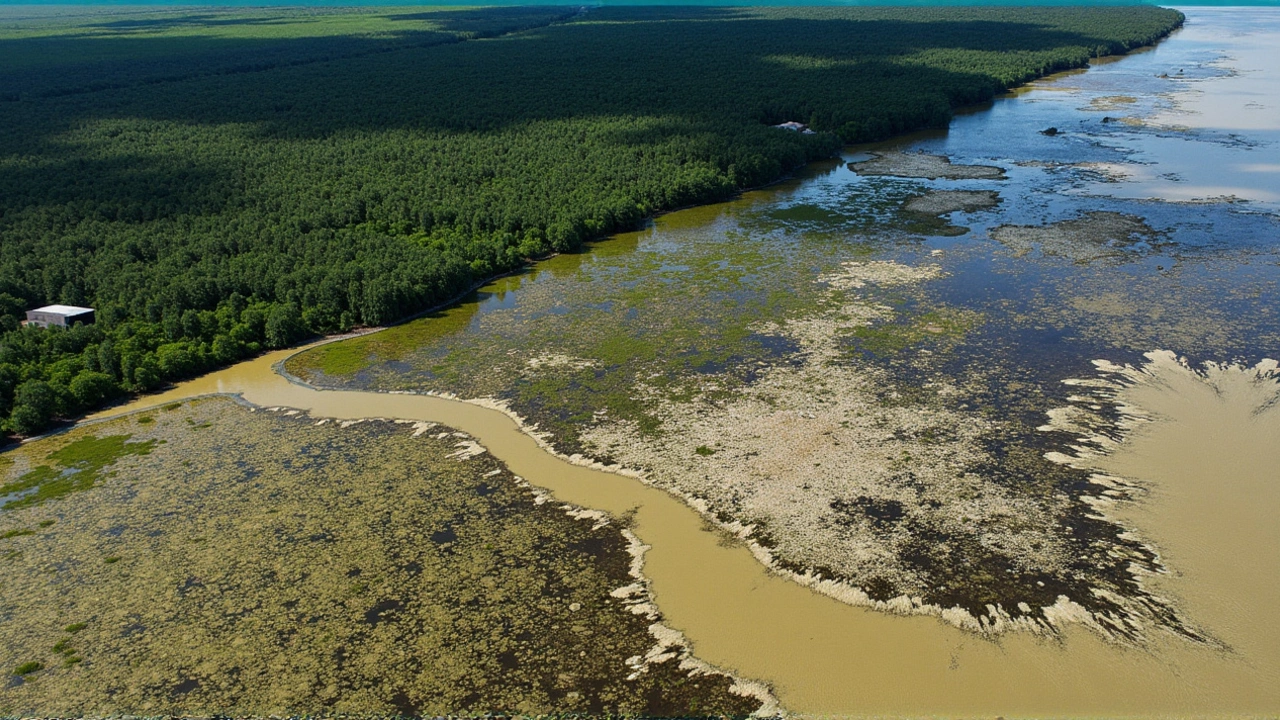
x: 344, y: 358
x: 567, y: 342
x: 932, y: 328
x: 353, y: 355
x: 398, y: 567
x: 75, y: 467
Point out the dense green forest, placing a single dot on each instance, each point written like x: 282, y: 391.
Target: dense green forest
x: 218, y: 182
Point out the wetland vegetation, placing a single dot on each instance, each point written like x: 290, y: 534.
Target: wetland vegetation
x: 925, y: 379
x: 267, y: 562
x: 820, y: 424
x: 857, y: 373
x: 218, y: 182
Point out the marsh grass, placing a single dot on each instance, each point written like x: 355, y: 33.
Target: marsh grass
x: 315, y: 543
x: 75, y: 467
x: 931, y: 328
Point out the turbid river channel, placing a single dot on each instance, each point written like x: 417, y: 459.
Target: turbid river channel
x: 992, y: 412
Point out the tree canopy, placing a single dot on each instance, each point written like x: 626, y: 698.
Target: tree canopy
x: 216, y: 183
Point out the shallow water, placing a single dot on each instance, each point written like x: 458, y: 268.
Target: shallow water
x: 824, y: 657
x: 696, y: 314
x: 746, y: 354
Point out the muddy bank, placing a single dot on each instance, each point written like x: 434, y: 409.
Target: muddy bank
x: 824, y: 656
x: 228, y: 560
x: 945, y: 202
x: 895, y: 163
x: 1093, y: 237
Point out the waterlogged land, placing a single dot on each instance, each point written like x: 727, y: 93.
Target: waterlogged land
x: 1000, y: 396
x: 220, y: 181
x: 795, y: 424
x: 819, y: 377
x: 211, y: 558
x: 823, y: 656
x: 862, y: 372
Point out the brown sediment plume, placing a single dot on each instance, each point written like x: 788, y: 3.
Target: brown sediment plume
x: 1189, y: 458
x: 895, y: 163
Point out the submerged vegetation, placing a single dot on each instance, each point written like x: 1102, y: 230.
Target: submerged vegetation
x: 826, y: 423
x: 75, y: 467
x: 331, y: 568
x: 219, y: 182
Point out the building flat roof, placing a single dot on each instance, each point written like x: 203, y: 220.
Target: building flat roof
x: 64, y: 309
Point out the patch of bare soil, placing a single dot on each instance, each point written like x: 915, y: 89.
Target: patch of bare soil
x: 945, y: 202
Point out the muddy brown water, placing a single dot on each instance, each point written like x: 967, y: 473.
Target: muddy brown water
x: 1206, y: 457
x: 1206, y: 447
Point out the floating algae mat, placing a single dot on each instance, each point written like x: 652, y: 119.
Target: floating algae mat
x: 852, y: 372
x: 260, y: 563
x: 826, y: 657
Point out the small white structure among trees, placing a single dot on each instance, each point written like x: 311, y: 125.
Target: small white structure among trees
x: 60, y: 315
x: 794, y: 126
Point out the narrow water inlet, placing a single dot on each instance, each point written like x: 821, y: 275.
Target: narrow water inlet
x: 821, y: 656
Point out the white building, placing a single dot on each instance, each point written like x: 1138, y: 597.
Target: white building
x: 794, y: 126
x: 60, y: 315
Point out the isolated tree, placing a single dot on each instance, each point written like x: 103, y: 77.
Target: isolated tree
x: 34, y: 405
x: 285, y: 326
x: 91, y: 388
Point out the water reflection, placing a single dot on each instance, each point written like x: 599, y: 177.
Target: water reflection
x: 1195, y: 118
